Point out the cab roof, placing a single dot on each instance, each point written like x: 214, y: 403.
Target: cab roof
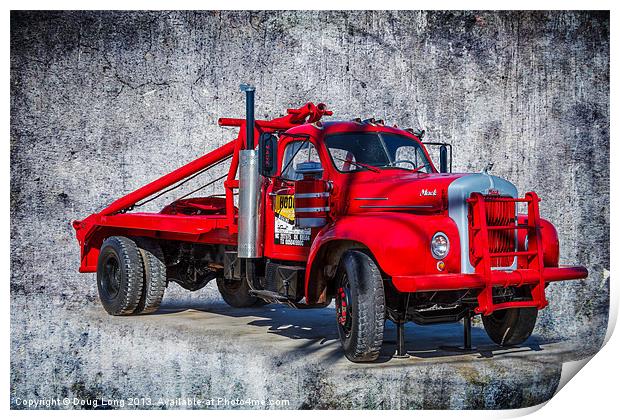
x: 321, y: 129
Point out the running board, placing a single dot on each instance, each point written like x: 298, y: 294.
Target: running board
x: 274, y: 297
x: 270, y: 296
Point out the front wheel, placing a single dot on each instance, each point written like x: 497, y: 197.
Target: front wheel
x: 510, y: 327
x: 360, y: 307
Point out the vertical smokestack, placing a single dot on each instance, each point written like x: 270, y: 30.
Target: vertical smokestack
x: 249, y: 115
x: 249, y: 237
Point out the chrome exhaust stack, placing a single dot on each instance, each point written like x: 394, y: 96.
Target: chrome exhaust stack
x: 249, y: 238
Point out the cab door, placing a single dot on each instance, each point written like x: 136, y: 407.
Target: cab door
x: 283, y: 239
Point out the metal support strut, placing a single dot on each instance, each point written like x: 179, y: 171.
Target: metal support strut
x: 467, y: 332
x: 401, y: 353
x: 467, y: 347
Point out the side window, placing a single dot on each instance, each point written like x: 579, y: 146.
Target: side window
x: 414, y: 155
x: 295, y: 153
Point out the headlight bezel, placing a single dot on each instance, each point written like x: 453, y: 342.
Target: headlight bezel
x: 438, y: 255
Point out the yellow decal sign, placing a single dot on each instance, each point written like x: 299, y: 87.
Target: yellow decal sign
x: 286, y: 233
x: 285, y: 208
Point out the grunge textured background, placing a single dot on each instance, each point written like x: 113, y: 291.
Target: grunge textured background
x: 102, y: 103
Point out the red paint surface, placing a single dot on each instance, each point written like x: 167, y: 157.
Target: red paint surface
x: 397, y: 231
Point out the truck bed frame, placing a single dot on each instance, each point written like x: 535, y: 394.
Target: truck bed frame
x: 220, y: 229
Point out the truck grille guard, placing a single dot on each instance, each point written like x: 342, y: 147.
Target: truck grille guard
x: 488, y: 224
x: 497, y: 260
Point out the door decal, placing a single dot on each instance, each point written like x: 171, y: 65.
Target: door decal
x: 285, y: 231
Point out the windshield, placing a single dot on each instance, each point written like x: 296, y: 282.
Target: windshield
x: 351, y: 152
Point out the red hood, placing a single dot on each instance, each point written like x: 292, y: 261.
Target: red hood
x: 393, y: 189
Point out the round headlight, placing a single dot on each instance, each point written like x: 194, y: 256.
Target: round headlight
x: 440, y: 245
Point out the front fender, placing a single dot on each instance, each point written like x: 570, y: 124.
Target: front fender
x: 399, y: 243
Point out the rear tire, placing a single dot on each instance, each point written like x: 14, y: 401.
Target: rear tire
x: 510, y: 327
x: 360, y: 307
x: 119, y: 275
x: 155, y: 280
x: 236, y: 293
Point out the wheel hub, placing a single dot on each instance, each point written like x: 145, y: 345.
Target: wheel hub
x: 112, y: 277
x: 343, y: 307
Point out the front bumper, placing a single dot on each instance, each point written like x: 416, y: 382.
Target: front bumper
x: 498, y: 278
x: 442, y: 282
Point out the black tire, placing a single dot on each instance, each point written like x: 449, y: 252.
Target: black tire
x: 359, y: 291
x: 236, y: 293
x: 155, y: 280
x: 119, y: 275
x: 510, y: 327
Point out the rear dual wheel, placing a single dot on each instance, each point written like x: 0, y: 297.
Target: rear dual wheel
x: 131, y: 276
x: 155, y: 279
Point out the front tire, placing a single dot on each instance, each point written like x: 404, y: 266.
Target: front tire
x: 360, y: 307
x: 510, y: 327
x: 119, y: 275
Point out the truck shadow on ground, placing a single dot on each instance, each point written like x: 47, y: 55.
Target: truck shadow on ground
x: 317, y: 330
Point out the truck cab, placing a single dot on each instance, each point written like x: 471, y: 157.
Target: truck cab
x: 350, y: 212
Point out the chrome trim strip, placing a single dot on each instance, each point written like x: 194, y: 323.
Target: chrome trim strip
x: 311, y: 209
x: 312, y: 195
x: 370, y: 198
x: 310, y: 222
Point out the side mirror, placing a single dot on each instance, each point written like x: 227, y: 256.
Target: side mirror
x: 267, y: 154
x: 445, y: 156
x: 443, y: 159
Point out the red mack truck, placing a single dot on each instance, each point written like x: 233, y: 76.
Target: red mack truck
x: 353, y: 212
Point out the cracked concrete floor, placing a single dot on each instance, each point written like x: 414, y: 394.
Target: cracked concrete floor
x: 206, y: 350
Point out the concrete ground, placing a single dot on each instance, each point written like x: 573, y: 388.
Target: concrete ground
x: 269, y: 357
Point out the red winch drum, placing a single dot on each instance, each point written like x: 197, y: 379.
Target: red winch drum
x: 311, y: 196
